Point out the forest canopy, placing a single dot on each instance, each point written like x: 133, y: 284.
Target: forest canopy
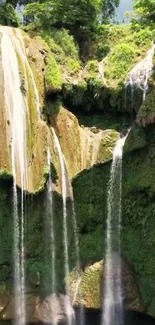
x: 69, y: 13
x: 145, y: 10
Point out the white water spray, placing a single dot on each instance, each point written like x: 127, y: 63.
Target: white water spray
x: 65, y: 191
x: 51, y: 226
x: 19, y: 44
x: 64, y: 196
x: 113, y: 304
x: 17, y: 115
x: 140, y: 74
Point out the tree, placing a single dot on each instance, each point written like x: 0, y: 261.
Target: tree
x: 8, y: 15
x: 79, y: 16
x: 108, y: 8
x: 145, y: 9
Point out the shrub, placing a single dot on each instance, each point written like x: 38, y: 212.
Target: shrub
x: 120, y: 61
x: 73, y: 66
x: 53, y: 76
x: 8, y: 15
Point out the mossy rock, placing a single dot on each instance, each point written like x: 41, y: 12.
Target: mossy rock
x: 146, y: 114
x: 138, y: 209
x: 90, y: 285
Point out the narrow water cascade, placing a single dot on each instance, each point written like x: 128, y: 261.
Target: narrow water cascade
x: 113, y: 299
x: 96, y: 146
x: 16, y: 109
x: 64, y: 196
x: 65, y: 230
x: 139, y: 75
x: 77, y: 254
x: 19, y: 44
x: 76, y: 290
x: 66, y: 192
x: 49, y: 208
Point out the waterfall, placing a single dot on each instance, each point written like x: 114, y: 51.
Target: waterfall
x: 18, y: 126
x: 140, y: 74
x: 66, y: 191
x: 112, y: 304
x: 16, y: 109
x: 19, y: 43
x: 51, y: 224
x: 64, y: 196
x: 65, y: 231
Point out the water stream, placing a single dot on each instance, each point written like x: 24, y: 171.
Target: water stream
x: 17, y: 112
x: 64, y: 196
x: 139, y: 75
x: 113, y: 302
x: 49, y: 207
x: 66, y: 187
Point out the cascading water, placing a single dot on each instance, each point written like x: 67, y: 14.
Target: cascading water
x: 64, y: 196
x: 17, y: 113
x: 49, y: 206
x: 112, y: 303
x: 16, y: 109
x: 140, y: 74
x: 19, y: 43
x: 66, y: 191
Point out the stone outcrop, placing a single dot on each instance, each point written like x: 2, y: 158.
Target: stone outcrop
x: 82, y: 146
x: 89, y: 290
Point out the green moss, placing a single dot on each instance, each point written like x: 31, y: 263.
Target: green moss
x: 52, y: 107
x: 146, y: 114
x: 53, y: 77
x: 5, y: 174
x: 138, y: 209
x: 89, y: 289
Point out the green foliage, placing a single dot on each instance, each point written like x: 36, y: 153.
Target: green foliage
x: 145, y: 9
x: 53, y: 77
x: 92, y: 66
x: 143, y: 37
x: 5, y: 174
x: 66, y: 42
x: 63, y: 49
x: 80, y: 17
x: 8, y: 15
x: 73, y: 66
x: 120, y: 61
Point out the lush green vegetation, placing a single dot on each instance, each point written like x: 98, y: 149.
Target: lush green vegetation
x: 53, y: 76
x: 79, y: 17
x: 146, y: 10
x: 8, y: 15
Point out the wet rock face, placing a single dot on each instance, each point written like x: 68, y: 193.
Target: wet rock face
x: 54, y: 309
x: 82, y: 146
x: 21, y: 112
